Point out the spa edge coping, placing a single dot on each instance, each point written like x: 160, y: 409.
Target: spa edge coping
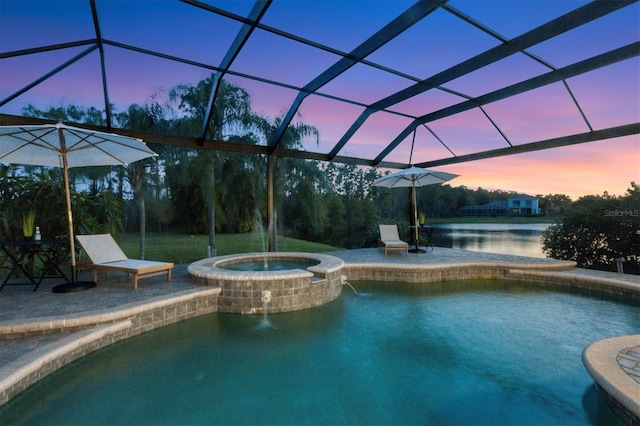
x: 38, y: 363
x: 208, y: 268
x: 601, y: 359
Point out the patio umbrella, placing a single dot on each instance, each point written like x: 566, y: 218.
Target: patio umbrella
x: 59, y: 145
x: 414, y: 177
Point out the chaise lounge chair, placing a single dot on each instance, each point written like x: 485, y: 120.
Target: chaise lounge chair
x: 390, y: 240
x: 105, y: 255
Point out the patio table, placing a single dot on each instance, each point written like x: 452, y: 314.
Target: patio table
x: 427, y: 231
x: 22, y: 256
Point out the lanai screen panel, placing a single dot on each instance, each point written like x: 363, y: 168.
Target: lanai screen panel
x: 457, y: 80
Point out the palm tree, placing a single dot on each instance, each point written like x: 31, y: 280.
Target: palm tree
x: 135, y: 176
x: 231, y: 117
x: 290, y: 173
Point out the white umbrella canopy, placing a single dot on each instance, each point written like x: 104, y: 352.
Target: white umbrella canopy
x: 59, y: 145
x: 49, y: 144
x: 414, y: 177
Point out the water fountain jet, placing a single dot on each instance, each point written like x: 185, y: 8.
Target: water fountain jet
x: 259, y: 228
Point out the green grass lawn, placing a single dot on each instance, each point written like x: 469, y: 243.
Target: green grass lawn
x: 180, y: 248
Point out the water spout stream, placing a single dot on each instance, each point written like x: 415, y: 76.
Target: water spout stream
x: 345, y: 282
x: 266, y: 298
x: 260, y: 230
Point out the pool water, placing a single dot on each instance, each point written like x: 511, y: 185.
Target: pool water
x: 272, y: 265
x: 468, y: 352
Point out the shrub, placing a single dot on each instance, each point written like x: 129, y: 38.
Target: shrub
x: 595, y: 230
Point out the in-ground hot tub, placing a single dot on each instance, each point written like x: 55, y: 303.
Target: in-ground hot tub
x: 316, y: 280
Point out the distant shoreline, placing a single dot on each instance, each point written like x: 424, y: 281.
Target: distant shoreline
x: 491, y: 219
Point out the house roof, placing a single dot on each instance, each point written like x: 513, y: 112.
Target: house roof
x: 522, y: 196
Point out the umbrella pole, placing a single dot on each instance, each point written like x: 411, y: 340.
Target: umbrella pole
x: 414, y: 201
x: 70, y: 220
x: 415, y: 214
x: 67, y: 193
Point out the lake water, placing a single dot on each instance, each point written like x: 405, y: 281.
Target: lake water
x: 504, y: 238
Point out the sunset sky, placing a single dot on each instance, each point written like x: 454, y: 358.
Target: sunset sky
x: 608, y: 96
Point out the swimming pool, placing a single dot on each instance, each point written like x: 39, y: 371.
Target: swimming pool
x: 468, y: 352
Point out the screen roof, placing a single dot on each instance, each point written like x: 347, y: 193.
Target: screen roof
x: 386, y: 83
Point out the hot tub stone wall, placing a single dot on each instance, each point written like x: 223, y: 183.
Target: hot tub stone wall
x: 291, y: 290
x: 287, y: 295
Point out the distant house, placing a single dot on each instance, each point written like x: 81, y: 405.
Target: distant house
x: 523, y: 205
x: 520, y: 205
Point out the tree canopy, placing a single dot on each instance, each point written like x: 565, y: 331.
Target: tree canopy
x: 596, y: 230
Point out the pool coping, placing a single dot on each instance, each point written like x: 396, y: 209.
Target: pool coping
x: 91, y: 331
x: 20, y: 374
x: 73, y: 322
x: 110, y: 326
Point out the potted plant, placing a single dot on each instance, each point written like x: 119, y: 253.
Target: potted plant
x: 28, y: 225
x: 421, y: 219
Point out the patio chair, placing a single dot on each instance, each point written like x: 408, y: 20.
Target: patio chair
x: 390, y: 240
x: 105, y: 255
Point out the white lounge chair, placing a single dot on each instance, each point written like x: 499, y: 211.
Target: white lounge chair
x: 105, y: 255
x: 390, y: 240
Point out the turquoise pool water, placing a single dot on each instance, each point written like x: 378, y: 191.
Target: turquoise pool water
x: 470, y: 352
